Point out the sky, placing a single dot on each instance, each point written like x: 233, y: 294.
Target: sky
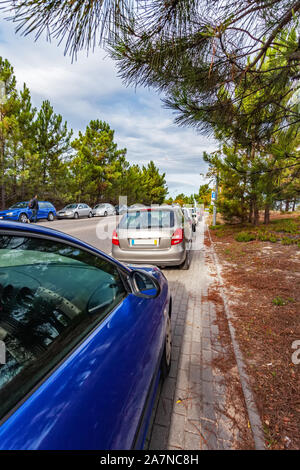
x: 90, y: 89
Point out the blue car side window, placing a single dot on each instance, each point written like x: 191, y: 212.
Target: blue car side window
x: 51, y: 296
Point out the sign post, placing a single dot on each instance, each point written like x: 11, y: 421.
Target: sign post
x: 214, y: 198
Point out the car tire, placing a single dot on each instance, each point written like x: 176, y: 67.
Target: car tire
x: 105, y: 214
x: 166, y: 358
x: 50, y: 217
x: 186, y: 264
x: 23, y: 218
x: 76, y: 216
x: 90, y: 215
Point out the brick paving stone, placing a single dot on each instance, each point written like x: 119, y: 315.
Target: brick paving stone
x: 159, y: 437
x: 176, y: 436
x: 191, y: 441
x: 164, y: 412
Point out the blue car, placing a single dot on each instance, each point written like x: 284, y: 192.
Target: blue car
x: 20, y: 212
x: 84, y: 342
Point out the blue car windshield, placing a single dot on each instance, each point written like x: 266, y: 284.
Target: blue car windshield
x: 19, y: 205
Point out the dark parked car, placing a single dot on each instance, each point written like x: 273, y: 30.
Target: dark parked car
x: 20, y: 212
x: 86, y: 339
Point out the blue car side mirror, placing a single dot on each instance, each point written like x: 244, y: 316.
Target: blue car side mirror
x: 144, y: 284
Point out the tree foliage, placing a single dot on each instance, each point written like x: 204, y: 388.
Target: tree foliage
x: 38, y: 156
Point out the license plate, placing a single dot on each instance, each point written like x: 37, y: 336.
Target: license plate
x: 144, y: 241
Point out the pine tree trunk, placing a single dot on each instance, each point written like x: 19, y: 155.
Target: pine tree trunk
x: 256, y: 214
x: 294, y: 205
x: 267, y: 214
x: 287, y: 205
x: 250, y: 211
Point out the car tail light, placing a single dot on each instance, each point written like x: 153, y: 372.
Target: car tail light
x: 115, y: 239
x: 177, y: 236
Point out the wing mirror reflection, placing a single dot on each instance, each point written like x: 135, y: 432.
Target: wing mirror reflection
x: 144, y: 284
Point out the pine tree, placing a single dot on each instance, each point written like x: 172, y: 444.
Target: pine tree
x: 48, y: 171
x: 8, y: 109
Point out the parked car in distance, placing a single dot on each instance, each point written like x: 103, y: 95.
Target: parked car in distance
x: 104, y: 210
x: 87, y: 340
x: 21, y: 212
x: 121, y: 209
x: 196, y: 214
x: 137, y: 206
x: 155, y: 235
x: 74, y: 211
x: 188, y: 213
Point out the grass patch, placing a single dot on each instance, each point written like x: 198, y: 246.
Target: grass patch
x: 280, y: 302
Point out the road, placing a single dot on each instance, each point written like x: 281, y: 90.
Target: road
x: 96, y: 231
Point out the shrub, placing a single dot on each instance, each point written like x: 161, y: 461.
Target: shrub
x: 266, y: 237
x: 263, y: 236
x: 288, y: 226
x: 245, y: 237
x: 287, y: 241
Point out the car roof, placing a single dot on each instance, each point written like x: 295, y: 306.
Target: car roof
x: 28, y: 229
x: 149, y: 208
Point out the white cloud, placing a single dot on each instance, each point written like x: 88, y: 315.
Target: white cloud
x: 90, y: 89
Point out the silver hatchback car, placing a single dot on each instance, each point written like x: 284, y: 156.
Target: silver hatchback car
x: 74, y: 211
x: 103, y: 210
x: 154, y: 235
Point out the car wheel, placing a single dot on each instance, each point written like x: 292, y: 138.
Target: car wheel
x: 105, y: 214
x: 90, y: 215
x: 186, y: 264
x: 23, y: 218
x: 50, y: 217
x: 166, y: 359
x: 76, y: 215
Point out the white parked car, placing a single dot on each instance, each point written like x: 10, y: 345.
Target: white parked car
x: 103, y: 209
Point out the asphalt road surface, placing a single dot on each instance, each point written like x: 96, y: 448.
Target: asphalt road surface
x: 96, y: 231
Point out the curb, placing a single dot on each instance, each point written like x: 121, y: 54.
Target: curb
x: 254, y: 418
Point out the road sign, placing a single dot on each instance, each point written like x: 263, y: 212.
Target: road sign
x: 213, y: 195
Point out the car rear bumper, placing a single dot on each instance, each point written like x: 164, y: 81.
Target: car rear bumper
x: 173, y: 256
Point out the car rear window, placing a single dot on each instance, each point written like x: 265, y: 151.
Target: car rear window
x: 146, y: 219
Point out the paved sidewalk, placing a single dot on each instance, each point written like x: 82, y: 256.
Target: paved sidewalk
x: 189, y: 413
